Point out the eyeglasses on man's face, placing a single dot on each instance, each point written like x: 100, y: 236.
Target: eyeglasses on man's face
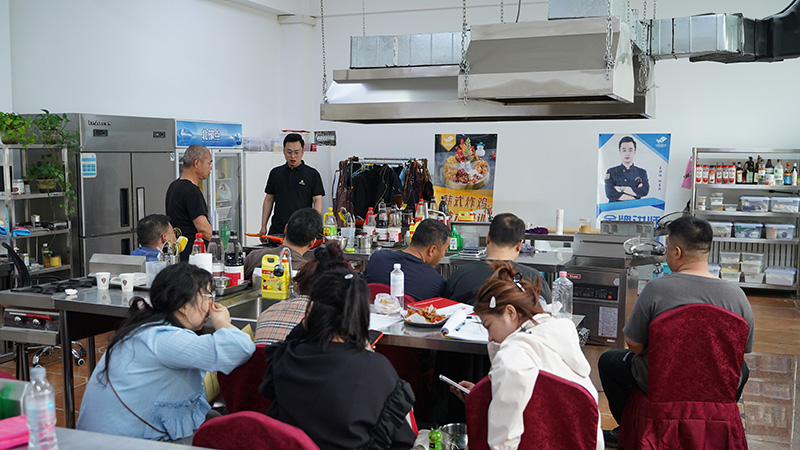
x: 293, y: 152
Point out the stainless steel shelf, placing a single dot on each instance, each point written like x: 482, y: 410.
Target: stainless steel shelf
x: 43, y: 233
x: 767, y: 286
x: 51, y: 269
x: 31, y: 196
x: 758, y: 241
x: 752, y: 151
x: 750, y: 187
x: 746, y: 214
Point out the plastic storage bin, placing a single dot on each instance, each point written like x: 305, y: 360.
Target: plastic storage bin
x: 781, y: 276
x: 713, y: 269
x: 754, y: 204
x: 754, y: 277
x: 785, y: 204
x: 716, y: 202
x: 747, y: 230
x: 753, y: 263
x: 721, y: 229
x: 779, y: 231
x: 730, y: 275
x: 729, y: 257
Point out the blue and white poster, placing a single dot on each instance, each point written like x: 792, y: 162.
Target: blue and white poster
x: 632, y: 176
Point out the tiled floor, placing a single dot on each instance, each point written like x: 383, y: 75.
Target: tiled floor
x: 770, y: 396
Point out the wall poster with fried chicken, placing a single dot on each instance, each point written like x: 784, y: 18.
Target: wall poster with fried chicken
x: 465, y: 168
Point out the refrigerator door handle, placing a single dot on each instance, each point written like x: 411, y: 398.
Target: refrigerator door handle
x: 125, y: 246
x: 139, y: 204
x: 124, y: 208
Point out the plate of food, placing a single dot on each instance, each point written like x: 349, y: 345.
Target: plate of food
x: 466, y: 169
x: 426, y: 317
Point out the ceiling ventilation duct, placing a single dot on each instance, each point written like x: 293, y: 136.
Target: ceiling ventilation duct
x: 542, y: 70
x: 545, y: 70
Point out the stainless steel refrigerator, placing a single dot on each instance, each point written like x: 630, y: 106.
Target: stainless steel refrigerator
x: 123, y: 170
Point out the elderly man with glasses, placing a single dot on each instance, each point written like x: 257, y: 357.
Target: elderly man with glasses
x: 290, y: 187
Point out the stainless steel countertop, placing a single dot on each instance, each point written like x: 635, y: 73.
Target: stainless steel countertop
x: 401, y: 335
x: 105, y: 302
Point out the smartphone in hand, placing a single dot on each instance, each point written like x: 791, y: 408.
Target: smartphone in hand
x: 454, y: 384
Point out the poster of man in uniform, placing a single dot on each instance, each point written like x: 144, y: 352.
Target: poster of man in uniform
x: 632, y: 174
x: 464, y: 174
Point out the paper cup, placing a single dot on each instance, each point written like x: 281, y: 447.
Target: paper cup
x: 203, y: 261
x: 126, y: 281
x: 103, y: 279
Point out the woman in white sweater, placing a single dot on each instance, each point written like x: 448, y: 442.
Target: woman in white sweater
x: 524, y: 339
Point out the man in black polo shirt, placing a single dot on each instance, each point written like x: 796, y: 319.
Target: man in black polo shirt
x: 290, y: 187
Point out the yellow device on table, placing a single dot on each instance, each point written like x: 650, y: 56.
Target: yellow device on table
x: 275, y: 284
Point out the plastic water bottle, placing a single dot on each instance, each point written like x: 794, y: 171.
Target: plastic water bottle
x: 397, y: 280
x: 562, y: 296
x: 40, y: 406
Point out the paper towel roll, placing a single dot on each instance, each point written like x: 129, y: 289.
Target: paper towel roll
x: 203, y: 261
x: 559, y: 221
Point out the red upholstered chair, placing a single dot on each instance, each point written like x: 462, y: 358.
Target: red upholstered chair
x: 561, y: 415
x: 380, y: 288
x: 240, y: 387
x: 6, y: 375
x: 695, y: 355
x: 251, y: 430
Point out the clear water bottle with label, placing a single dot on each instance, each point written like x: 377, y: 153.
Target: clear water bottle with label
x: 562, y: 296
x: 40, y: 407
x: 397, y: 281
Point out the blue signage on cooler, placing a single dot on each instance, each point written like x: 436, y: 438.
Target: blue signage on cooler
x: 210, y: 134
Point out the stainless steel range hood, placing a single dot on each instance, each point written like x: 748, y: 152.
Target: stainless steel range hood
x: 545, y: 70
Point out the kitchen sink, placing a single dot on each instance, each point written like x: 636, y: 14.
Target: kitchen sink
x: 245, y: 309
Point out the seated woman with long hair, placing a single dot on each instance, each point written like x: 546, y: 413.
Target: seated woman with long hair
x: 275, y: 323
x: 523, y: 339
x: 324, y: 381
x: 149, y: 383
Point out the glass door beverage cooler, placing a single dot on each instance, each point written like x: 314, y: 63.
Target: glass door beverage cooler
x: 224, y: 187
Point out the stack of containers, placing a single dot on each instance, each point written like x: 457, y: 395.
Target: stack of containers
x: 730, y: 266
x: 753, y: 267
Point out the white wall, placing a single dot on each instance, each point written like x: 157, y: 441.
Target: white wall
x: 542, y: 166
x: 218, y: 60
x: 6, y: 104
x: 191, y: 59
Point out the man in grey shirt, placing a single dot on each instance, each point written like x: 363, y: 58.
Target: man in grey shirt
x: 688, y: 246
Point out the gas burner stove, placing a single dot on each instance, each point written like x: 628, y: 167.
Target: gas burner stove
x: 58, y: 286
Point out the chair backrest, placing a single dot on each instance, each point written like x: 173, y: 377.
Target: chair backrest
x: 695, y: 353
x: 249, y: 429
x: 380, y: 288
x: 561, y: 415
x: 240, y: 387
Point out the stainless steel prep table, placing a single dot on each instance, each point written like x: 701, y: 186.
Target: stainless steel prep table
x: 401, y: 335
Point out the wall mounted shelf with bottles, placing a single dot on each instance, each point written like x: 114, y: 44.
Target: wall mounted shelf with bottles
x: 51, y: 207
x: 777, y: 252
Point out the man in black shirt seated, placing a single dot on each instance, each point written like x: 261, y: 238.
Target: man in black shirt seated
x: 428, y: 246
x: 302, y: 229
x: 502, y: 243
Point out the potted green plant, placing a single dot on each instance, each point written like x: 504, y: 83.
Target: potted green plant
x: 51, y: 127
x: 49, y: 175
x: 15, y: 129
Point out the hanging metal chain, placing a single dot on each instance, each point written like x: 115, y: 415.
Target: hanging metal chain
x: 324, y: 62
x: 644, y: 11
x: 654, y: 9
x: 609, y: 58
x: 628, y: 11
x: 464, y: 66
x: 363, y: 19
x: 502, y: 19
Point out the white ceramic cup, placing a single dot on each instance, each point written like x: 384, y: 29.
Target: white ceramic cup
x: 126, y: 280
x: 103, y: 279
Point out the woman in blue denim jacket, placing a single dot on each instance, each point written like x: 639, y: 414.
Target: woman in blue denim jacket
x: 149, y: 383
